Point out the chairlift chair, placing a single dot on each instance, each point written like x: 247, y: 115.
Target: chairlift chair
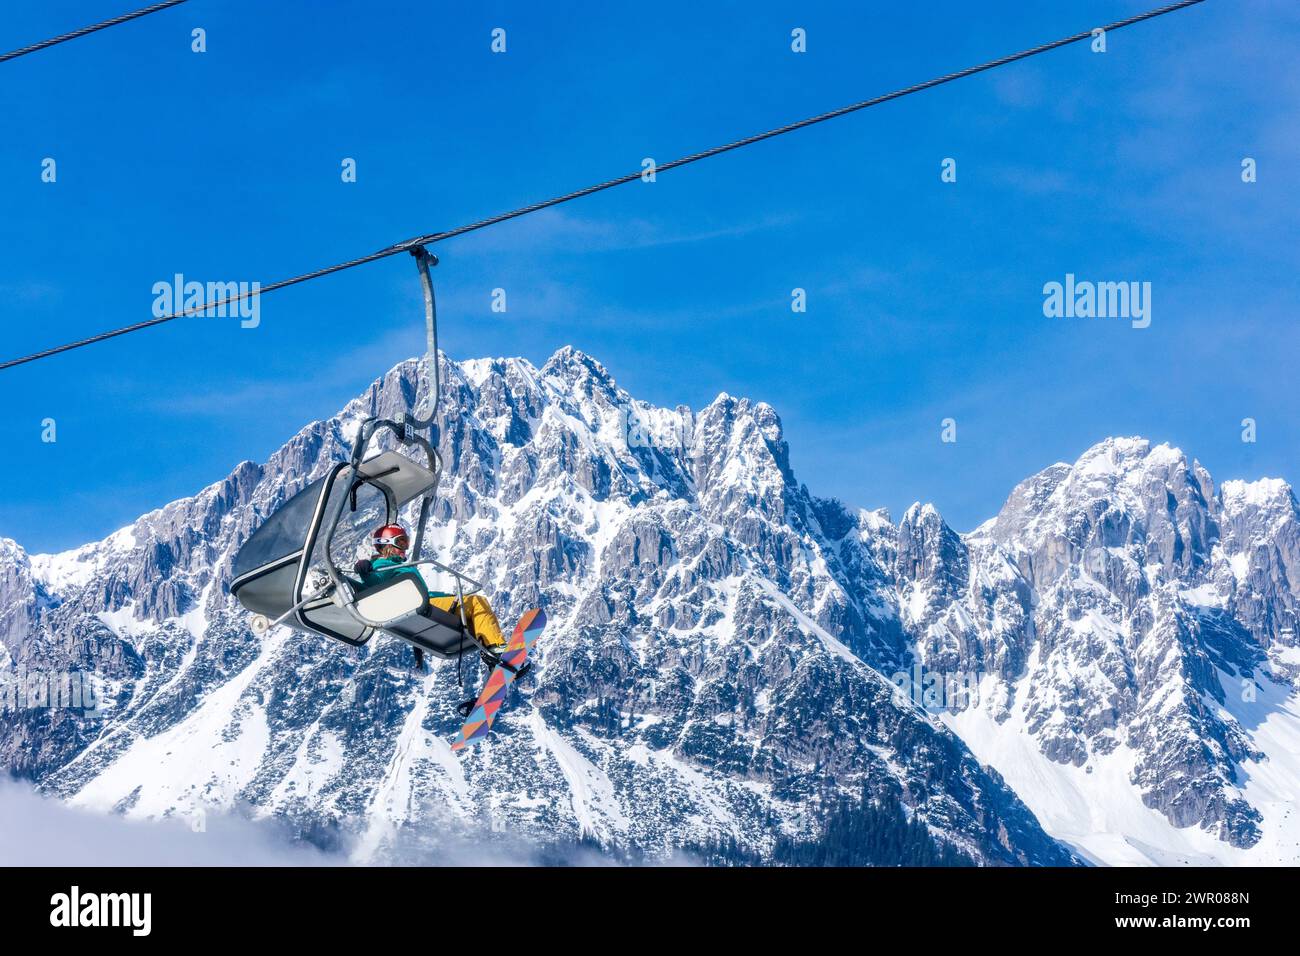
x: 287, y: 573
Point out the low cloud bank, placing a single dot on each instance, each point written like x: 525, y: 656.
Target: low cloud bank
x: 42, y: 831
x: 36, y: 830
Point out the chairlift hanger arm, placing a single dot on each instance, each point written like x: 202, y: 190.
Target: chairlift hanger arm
x: 402, y: 431
x: 423, y: 259
x: 406, y: 430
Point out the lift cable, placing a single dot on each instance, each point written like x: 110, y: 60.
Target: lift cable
x: 77, y: 34
x: 420, y: 241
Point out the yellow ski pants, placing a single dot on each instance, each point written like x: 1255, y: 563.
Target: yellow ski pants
x: 482, y: 621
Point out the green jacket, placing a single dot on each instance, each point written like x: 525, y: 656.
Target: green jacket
x: 385, y: 569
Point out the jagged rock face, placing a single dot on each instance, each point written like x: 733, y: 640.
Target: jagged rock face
x: 1257, y: 564
x: 718, y: 639
x: 1122, y: 502
x: 705, y: 672
x: 1134, y: 600
x: 18, y: 597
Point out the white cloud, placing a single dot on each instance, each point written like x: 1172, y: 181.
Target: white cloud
x: 41, y: 831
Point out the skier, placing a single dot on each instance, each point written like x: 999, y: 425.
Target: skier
x: 391, y: 543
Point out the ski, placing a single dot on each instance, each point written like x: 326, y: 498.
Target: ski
x: 513, y: 659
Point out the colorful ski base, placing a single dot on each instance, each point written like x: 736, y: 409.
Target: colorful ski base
x: 526, y: 633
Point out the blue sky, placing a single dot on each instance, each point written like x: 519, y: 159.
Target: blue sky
x: 924, y: 298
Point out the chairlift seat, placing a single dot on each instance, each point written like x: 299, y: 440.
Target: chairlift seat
x: 270, y: 573
x: 401, y: 606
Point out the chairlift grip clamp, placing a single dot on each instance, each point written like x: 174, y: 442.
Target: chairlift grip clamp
x: 424, y: 255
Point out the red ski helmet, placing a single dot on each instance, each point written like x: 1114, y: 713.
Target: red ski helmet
x: 391, y: 536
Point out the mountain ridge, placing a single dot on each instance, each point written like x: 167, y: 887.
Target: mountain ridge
x: 711, y: 613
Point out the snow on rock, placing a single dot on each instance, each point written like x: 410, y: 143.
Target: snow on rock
x: 726, y: 651
x: 1145, y: 613
x: 713, y: 667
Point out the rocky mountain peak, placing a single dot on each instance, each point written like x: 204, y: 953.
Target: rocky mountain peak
x: 1122, y: 495
x: 720, y: 639
x: 1271, y: 496
x: 581, y: 376
x: 929, y: 550
x: 703, y: 674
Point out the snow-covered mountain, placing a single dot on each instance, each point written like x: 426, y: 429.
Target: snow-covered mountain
x: 728, y: 655
x: 702, y: 678
x: 1135, y: 630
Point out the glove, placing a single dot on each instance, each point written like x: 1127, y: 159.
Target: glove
x: 363, y: 568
